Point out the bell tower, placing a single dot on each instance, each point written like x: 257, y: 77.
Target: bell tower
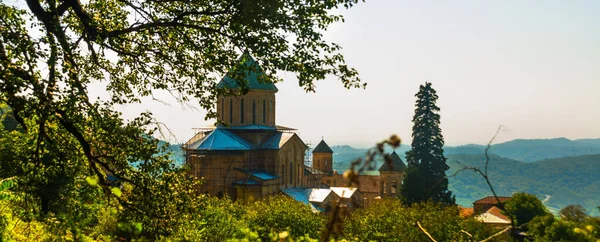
x: 323, y: 158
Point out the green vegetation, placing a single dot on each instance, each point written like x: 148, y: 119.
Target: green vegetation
x: 269, y: 220
x: 581, y: 227
x: 524, y: 207
x: 426, y: 174
x: 390, y: 220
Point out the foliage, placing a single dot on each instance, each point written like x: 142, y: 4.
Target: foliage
x: 389, y: 220
x: 426, y: 174
x: 547, y: 228
x: 579, y: 228
x: 573, y: 212
x: 524, y: 207
x: 215, y: 220
x: 273, y: 215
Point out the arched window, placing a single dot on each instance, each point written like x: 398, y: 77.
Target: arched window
x: 222, y: 109
x: 242, y: 111
x: 384, y: 188
x: 291, y: 173
x: 230, y: 111
x: 264, y: 113
x: 253, y: 111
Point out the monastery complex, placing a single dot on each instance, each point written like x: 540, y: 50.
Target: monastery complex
x: 251, y: 157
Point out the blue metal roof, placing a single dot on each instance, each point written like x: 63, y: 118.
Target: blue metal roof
x: 255, y: 78
x: 249, y: 127
x: 221, y: 139
x: 302, y: 195
x: 246, y: 182
x: 277, y: 141
x: 263, y: 175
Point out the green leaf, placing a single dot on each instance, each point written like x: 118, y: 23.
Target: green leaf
x: 138, y: 227
x: 116, y: 191
x: 92, y: 180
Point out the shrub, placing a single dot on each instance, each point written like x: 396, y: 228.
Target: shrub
x: 277, y: 214
x: 389, y: 220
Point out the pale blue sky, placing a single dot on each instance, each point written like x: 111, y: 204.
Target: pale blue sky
x: 532, y: 66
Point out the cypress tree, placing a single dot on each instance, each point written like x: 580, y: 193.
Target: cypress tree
x: 426, y: 174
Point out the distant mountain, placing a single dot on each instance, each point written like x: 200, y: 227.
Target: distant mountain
x: 563, y: 181
x: 464, y: 149
x: 346, y: 149
x: 588, y: 141
x: 529, y: 150
x: 176, y: 152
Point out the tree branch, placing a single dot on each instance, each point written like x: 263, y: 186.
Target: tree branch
x: 425, y: 232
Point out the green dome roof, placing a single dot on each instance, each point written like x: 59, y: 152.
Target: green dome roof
x: 255, y: 78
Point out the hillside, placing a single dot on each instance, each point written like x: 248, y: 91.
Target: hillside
x: 529, y: 150
x: 568, y: 180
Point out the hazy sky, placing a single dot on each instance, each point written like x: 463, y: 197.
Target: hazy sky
x: 532, y: 66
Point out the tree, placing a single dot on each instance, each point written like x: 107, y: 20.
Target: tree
x: 524, y: 207
x: 574, y: 212
x: 51, y: 52
x: 426, y: 174
x: 548, y: 228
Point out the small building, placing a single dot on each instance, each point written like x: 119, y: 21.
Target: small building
x: 350, y: 196
x: 371, y: 187
x: 323, y: 158
x: 494, y: 217
x: 319, y: 199
x: 482, y: 205
x: 391, y: 175
x: 487, y: 211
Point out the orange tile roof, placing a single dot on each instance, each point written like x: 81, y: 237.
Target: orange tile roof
x: 491, y: 200
x: 465, y: 212
x: 497, y: 212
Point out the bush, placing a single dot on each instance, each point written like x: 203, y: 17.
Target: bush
x: 389, y: 220
x: 277, y: 214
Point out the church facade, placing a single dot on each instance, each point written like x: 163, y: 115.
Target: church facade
x: 250, y: 157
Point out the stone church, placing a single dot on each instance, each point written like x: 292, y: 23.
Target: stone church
x: 252, y: 157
